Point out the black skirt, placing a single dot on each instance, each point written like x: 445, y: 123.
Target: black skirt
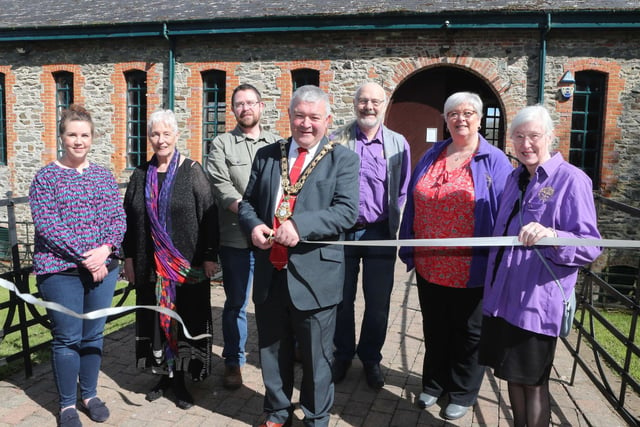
x: 515, y: 354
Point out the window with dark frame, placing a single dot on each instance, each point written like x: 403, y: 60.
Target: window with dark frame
x: 213, y: 108
x: 64, y: 98
x: 585, y: 149
x: 492, y: 121
x: 305, y: 76
x: 136, y: 118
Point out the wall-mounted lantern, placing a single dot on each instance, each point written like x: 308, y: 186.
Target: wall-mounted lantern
x: 567, y: 85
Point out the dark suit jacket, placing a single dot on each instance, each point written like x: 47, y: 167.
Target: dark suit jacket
x: 326, y: 206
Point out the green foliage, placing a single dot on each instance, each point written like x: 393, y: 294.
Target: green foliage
x: 617, y: 349
x: 38, y: 334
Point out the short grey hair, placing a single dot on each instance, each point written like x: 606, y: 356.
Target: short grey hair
x: 357, y: 94
x: 533, y: 113
x: 460, y: 98
x: 309, y: 93
x: 167, y: 117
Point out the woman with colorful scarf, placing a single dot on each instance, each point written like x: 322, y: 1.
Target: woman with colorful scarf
x: 171, y: 248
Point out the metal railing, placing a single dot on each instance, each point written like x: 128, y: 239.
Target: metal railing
x: 612, y: 289
x: 597, y: 292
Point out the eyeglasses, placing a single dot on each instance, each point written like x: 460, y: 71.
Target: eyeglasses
x: 376, y: 102
x: 452, y: 115
x: 248, y: 104
x: 533, y: 137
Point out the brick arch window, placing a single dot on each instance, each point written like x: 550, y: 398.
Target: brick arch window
x: 492, y: 125
x: 305, y: 76
x: 3, y: 121
x: 213, y: 108
x: 587, y: 118
x: 64, y: 98
x: 136, y: 117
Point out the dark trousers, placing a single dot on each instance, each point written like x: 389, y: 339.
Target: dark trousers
x: 279, y: 322
x: 377, y: 283
x: 451, y: 322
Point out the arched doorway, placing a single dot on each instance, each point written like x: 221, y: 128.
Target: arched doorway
x: 415, y: 109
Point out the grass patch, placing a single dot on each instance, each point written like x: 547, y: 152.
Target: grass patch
x: 617, y: 349
x: 38, y: 334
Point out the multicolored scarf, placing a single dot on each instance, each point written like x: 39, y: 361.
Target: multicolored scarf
x: 172, y: 268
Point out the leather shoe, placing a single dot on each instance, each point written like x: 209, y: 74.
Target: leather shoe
x: 374, y: 375
x: 339, y: 369
x: 232, y: 378
x: 453, y: 411
x: 426, y: 400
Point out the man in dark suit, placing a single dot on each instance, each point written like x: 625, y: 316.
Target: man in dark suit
x: 297, y: 285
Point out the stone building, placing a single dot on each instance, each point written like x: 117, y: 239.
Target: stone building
x: 123, y: 60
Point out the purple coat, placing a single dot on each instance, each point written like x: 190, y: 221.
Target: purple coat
x: 489, y: 169
x: 523, y: 292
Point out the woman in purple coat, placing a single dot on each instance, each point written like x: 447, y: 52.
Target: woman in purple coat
x: 523, y: 303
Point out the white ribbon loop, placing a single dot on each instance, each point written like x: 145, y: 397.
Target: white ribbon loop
x: 451, y: 242
x: 96, y: 314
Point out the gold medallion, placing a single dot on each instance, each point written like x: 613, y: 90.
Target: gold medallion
x: 284, y: 210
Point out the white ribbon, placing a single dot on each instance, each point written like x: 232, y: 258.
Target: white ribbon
x: 96, y: 314
x: 451, y: 242
x: 486, y: 241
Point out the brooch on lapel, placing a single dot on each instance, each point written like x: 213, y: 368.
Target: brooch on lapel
x: 489, y: 180
x: 545, y: 193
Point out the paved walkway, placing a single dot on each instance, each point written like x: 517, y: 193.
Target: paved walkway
x: 32, y: 402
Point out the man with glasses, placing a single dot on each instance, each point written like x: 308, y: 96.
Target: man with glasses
x: 229, y: 166
x: 385, y: 167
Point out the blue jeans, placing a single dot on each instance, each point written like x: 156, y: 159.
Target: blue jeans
x: 378, y: 264
x: 237, y: 271
x: 76, y: 349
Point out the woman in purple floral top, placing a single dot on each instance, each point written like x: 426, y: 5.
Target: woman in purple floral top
x: 79, y: 223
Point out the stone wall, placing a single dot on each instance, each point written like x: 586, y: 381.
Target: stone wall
x: 508, y: 61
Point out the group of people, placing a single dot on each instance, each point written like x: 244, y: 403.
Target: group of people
x: 500, y: 307
x: 269, y: 209
x: 167, y: 233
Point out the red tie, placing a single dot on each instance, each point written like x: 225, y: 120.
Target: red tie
x: 279, y: 254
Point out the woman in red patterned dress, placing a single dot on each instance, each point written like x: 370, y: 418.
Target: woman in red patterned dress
x: 454, y: 192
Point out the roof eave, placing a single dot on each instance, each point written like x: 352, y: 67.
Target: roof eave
x: 396, y: 21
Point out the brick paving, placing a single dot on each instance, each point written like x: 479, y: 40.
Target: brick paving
x: 33, y: 401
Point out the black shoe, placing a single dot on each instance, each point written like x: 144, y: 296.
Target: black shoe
x: 183, y: 397
x: 69, y: 418
x: 374, y: 375
x: 96, y: 410
x: 339, y: 369
x: 159, y: 389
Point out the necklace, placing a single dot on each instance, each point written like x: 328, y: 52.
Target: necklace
x: 284, y: 168
x: 462, y: 155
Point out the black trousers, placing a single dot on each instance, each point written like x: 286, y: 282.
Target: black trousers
x: 280, y: 326
x: 451, y: 322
